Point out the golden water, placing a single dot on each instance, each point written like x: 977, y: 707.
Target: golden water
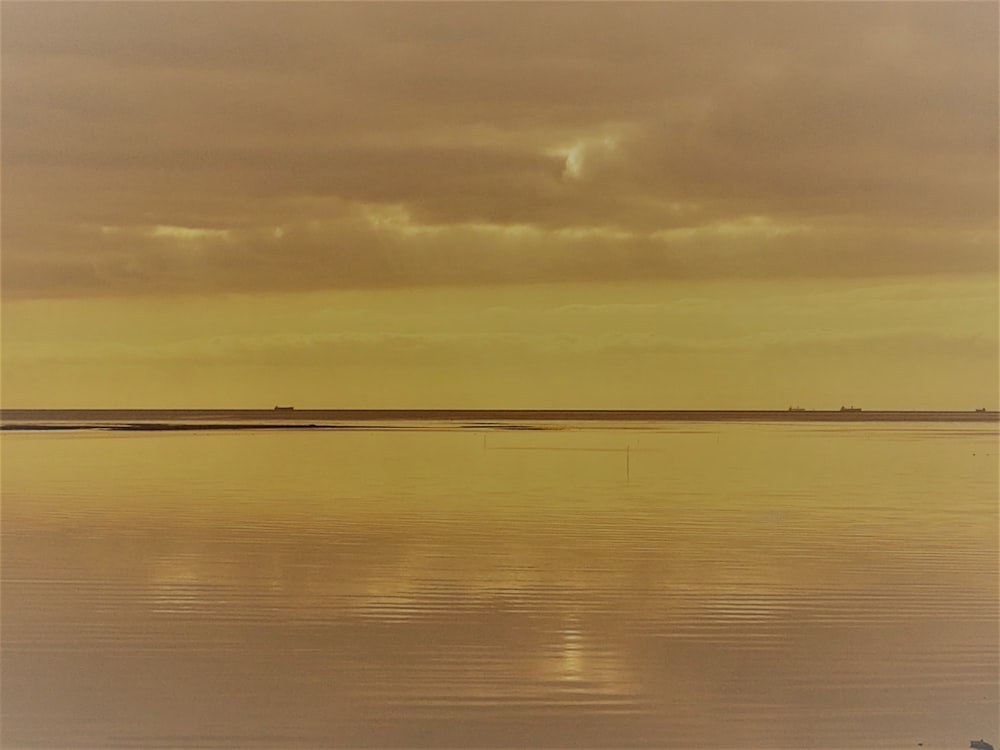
x: 432, y: 585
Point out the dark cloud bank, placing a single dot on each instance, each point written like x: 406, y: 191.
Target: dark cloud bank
x: 164, y: 147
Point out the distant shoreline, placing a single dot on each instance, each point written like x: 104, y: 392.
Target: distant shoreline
x: 149, y: 420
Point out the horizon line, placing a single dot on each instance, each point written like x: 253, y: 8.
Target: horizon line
x: 521, y: 409
x: 29, y: 416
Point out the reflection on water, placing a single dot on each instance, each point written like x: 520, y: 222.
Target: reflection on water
x: 740, y: 586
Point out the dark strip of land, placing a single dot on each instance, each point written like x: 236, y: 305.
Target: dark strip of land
x: 165, y: 426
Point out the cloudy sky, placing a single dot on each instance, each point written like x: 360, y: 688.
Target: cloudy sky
x: 641, y: 205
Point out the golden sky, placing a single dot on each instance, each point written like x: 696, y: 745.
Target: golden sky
x: 594, y: 205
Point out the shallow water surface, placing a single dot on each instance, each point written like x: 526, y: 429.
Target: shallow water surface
x: 439, y: 585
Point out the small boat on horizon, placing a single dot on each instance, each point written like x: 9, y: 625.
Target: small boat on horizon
x: 850, y: 408
x: 284, y: 408
x: 981, y: 411
x: 796, y: 408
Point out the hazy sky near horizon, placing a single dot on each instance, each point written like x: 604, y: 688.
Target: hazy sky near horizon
x: 640, y: 205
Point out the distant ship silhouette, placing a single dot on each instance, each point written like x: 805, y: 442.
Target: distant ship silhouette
x: 850, y: 408
x: 284, y: 408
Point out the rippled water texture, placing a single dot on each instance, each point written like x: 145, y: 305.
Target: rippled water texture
x: 656, y: 585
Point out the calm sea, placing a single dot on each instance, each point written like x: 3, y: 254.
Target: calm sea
x: 445, y: 585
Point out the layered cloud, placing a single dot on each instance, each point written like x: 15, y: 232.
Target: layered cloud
x: 189, y: 147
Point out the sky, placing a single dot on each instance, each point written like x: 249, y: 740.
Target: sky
x: 671, y: 205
